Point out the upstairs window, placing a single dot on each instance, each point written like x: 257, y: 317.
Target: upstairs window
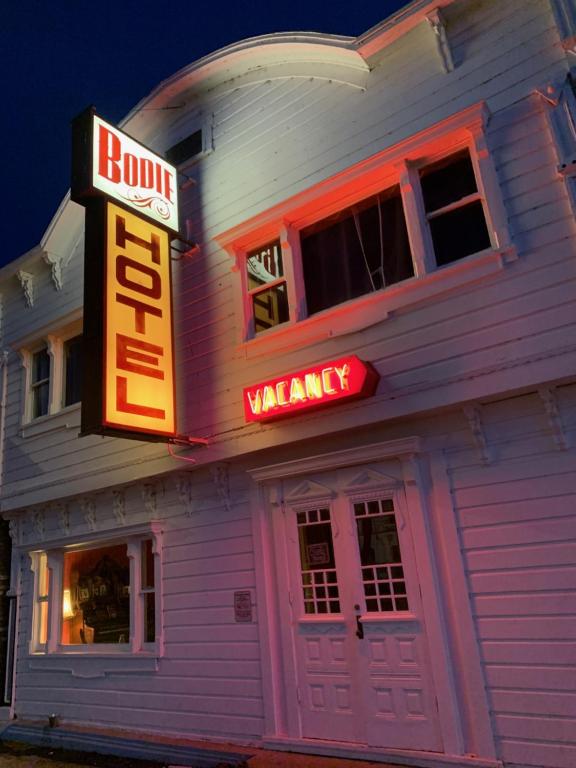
x: 40, y: 383
x: 52, y: 374
x: 185, y: 150
x: 430, y: 202
x: 454, y: 208
x: 267, y: 286
x: 358, y: 250
x: 72, y: 370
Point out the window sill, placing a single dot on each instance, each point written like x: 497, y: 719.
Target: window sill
x: 361, y: 313
x: 94, y: 665
x: 66, y: 418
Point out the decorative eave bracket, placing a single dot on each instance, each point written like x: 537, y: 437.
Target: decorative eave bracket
x: 438, y: 26
x: 473, y: 414
x: 560, y: 110
x: 27, y: 283
x: 55, y: 263
x: 565, y: 15
x: 550, y: 401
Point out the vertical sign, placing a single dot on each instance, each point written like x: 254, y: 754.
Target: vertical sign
x: 130, y: 196
x: 139, y: 375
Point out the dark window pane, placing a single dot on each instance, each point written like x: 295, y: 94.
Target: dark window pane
x: 316, y: 550
x: 73, y: 370
x: 270, y: 307
x: 447, y: 181
x: 359, y: 250
x: 459, y: 233
x: 40, y: 400
x: 149, y: 617
x: 147, y: 565
x: 40, y: 365
x: 185, y: 149
x: 264, y: 265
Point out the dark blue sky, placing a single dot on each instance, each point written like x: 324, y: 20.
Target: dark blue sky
x: 59, y: 56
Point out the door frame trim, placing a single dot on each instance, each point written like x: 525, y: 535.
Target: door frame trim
x: 278, y: 671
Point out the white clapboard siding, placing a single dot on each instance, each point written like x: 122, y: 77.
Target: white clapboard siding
x: 208, y: 682
x: 518, y: 533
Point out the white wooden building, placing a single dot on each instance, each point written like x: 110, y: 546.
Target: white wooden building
x: 392, y: 576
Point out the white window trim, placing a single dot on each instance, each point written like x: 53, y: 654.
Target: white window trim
x: 132, y: 536
x: 54, y: 342
x: 398, y: 165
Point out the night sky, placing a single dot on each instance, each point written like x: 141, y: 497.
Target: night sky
x: 59, y: 56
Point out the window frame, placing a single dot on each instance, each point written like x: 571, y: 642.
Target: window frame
x: 53, y: 342
x: 132, y: 537
x: 398, y: 165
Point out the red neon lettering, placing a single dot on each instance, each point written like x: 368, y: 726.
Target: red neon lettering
x: 123, y: 263
x: 146, y: 173
x: 313, y: 384
x: 140, y: 311
x: 130, y: 170
x: 343, y: 374
x: 269, y: 399
x: 297, y: 393
x: 127, y: 352
x: 255, y: 401
x: 167, y: 187
x: 109, y: 155
x: 158, y: 169
x: 124, y: 406
x: 281, y: 393
x: 326, y: 383
x: 122, y: 235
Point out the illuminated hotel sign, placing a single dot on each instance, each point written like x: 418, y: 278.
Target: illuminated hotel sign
x: 128, y: 341
x: 107, y: 161
x: 345, y: 379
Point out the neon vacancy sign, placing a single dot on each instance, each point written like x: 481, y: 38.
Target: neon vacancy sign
x: 347, y: 378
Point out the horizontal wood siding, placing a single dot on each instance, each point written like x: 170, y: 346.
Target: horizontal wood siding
x: 518, y: 531
x: 208, y: 682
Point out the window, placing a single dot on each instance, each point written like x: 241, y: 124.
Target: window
x: 374, y: 238
x: 40, y: 609
x: 40, y: 383
x: 454, y: 208
x: 361, y: 249
x: 186, y: 149
x: 267, y: 286
x: 101, y: 597
x: 72, y: 361
x: 53, y: 373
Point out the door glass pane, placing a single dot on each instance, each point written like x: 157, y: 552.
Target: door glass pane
x: 380, y: 558
x: 318, y: 568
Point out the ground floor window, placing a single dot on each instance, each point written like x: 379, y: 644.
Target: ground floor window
x: 100, y: 595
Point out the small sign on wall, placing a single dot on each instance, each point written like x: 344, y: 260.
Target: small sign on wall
x: 243, y: 606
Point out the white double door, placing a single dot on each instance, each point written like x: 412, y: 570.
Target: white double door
x: 354, y: 617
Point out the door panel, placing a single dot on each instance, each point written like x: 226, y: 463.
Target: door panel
x: 360, y: 644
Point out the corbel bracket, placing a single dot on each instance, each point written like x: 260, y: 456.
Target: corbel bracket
x: 565, y: 15
x: 55, y: 264
x: 438, y: 26
x: 474, y: 415
x: 27, y: 282
x: 548, y: 397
